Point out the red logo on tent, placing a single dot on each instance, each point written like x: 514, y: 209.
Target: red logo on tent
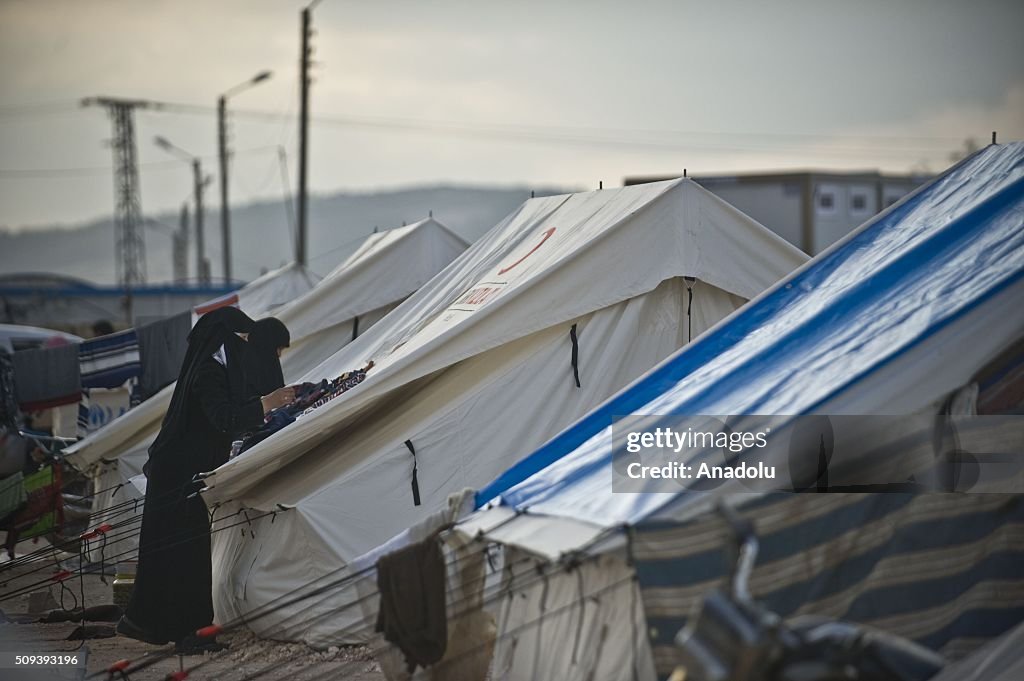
x: 547, y: 235
x: 478, y: 296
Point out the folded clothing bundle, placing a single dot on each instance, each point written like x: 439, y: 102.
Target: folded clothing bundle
x: 308, y: 396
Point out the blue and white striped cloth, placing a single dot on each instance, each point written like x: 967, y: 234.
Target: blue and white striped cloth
x: 109, y: 361
x: 943, y: 570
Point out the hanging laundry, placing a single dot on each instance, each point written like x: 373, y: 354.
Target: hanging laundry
x: 109, y: 361
x: 47, y: 377
x: 412, y: 602
x: 162, y: 346
x: 12, y: 495
x: 42, y: 510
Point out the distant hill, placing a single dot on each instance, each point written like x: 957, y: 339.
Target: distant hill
x: 261, y: 232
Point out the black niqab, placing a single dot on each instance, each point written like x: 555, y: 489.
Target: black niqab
x: 214, y: 329
x: 263, y: 373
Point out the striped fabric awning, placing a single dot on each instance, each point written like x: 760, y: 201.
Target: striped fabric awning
x: 941, y: 569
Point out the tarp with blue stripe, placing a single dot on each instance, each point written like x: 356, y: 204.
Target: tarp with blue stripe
x: 891, y: 320
x: 837, y: 336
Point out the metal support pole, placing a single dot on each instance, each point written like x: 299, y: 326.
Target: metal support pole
x: 197, y: 174
x: 180, y: 241
x: 300, y: 246
x: 225, y: 211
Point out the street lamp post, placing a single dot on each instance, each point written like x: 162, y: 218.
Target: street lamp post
x: 222, y: 144
x: 202, y: 265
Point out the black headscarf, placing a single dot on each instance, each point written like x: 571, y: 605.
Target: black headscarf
x: 263, y: 373
x: 214, y: 329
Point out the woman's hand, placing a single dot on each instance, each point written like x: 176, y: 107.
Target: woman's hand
x: 278, y: 398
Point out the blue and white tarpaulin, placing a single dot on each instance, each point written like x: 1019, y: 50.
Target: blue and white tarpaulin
x: 913, y: 308
x: 887, y: 321
x: 109, y: 361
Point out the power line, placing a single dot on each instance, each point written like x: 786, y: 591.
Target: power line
x: 582, y: 133
x: 87, y: 171
x: 433, y: 125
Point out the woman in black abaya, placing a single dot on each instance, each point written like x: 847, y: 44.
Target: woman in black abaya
x: 209, y: 407
x: 268, y: 339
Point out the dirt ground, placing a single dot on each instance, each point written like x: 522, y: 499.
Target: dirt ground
x: 247, y: 658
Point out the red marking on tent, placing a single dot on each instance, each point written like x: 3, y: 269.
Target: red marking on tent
x: 478, y: 296
x: 547, y: 235
x: 224, y: 301
x: 118, y: 666
x: 61, y: 576
x: 104, y: 528
x: 177, y: 676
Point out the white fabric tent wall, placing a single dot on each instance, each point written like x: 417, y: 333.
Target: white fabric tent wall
x: 454, y: 420
x: 384, y: 270
x: 605, y: 247
x: 559, y: 636
x: 474, y: 388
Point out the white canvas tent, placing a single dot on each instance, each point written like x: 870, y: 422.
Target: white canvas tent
x: 895, y: 319
x: 477, y: 368
x: 267, y: 292
x: 386, y: 269
x: 382, y: 272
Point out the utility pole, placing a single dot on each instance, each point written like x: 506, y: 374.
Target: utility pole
x: 222, y: 148
x: 130, y: 248
x: 199, y: 183
x: 197, y: 179
x: 300, y: 246
x: 225, y: 212
x: 179, y: 241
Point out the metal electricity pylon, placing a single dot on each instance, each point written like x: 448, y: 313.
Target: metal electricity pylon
x: 129, y: 243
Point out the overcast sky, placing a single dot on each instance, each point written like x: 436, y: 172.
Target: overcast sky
x: 568, y: 93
